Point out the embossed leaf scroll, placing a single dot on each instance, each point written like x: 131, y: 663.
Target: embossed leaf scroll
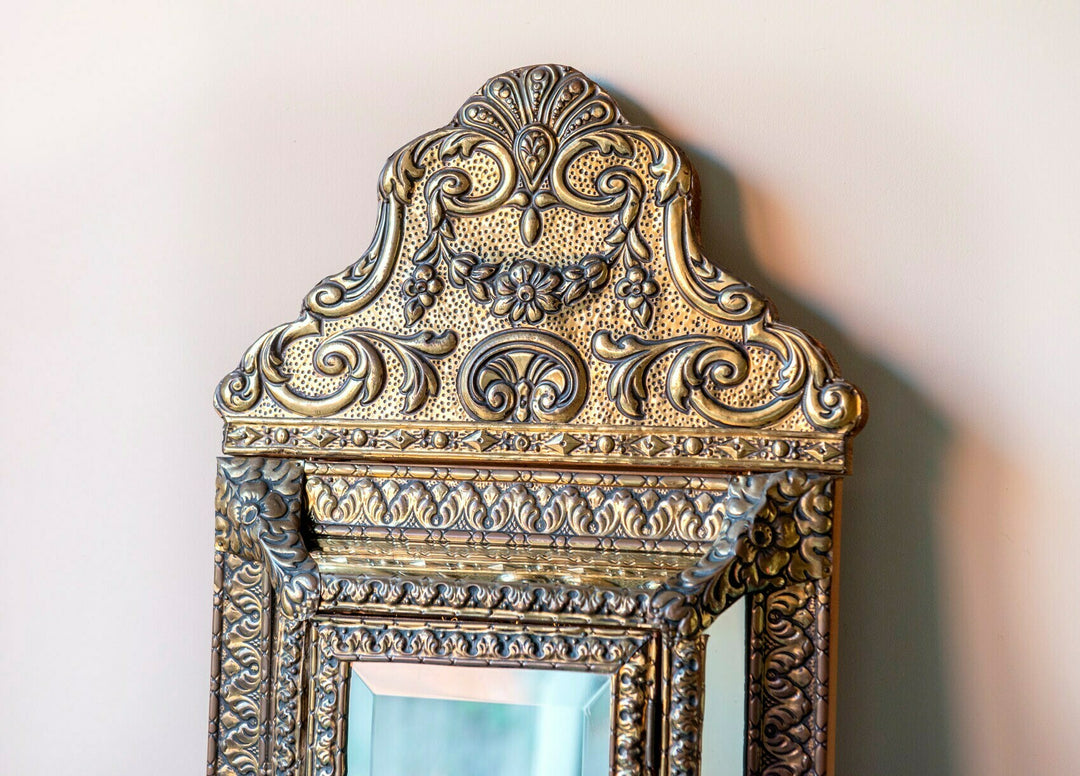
x: 535, y: 288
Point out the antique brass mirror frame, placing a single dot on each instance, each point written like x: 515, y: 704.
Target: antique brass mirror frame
x: 578, y: 470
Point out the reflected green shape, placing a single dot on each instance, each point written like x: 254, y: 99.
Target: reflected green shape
x: 435, y: 720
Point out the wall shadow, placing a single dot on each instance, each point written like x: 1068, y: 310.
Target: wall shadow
x: 892, y: 707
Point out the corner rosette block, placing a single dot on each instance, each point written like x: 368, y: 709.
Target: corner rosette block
x: 776, y: 532
x: 258, y: 511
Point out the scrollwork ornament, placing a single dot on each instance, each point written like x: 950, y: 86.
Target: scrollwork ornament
x: 353, y: 357
x: 631, y: 716
x: 567, y: 507
x: 380, y: 591
x: 258, y: 508
x: 335, y: 297
x: 463, y: 506
x: 240, y: 666
x: 536, y: 146
x: 703, y: 365
x: 378, y: 502
x: 413, y: 501
x: 289, y: 660
x: 788, y: 680
x: 343, y: 500
x: 806, y: 377
x: 516, y: 502
x: 523, y: 376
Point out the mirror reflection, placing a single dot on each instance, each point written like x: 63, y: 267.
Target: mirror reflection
x: 724, y: 733
x: 411, y: 719
x: 414, y: 719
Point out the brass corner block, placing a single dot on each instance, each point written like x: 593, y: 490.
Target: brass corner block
x: 777, y: 532
x: 258, y: 513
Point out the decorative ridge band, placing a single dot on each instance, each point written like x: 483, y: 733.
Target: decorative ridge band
x: 505, y: 444
x: 610, y: 511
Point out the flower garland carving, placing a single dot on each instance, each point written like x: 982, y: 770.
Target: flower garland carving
x: 532, y: 124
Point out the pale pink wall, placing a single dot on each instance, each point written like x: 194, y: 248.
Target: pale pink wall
x: 904, y: 182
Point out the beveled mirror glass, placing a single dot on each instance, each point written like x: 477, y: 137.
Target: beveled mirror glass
x: 503, y: 721
x: 514, y: 464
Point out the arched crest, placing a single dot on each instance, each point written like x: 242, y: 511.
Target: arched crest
x: 535, y: 291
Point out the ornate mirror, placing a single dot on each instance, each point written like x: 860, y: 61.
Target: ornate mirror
x: 485, y: 500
